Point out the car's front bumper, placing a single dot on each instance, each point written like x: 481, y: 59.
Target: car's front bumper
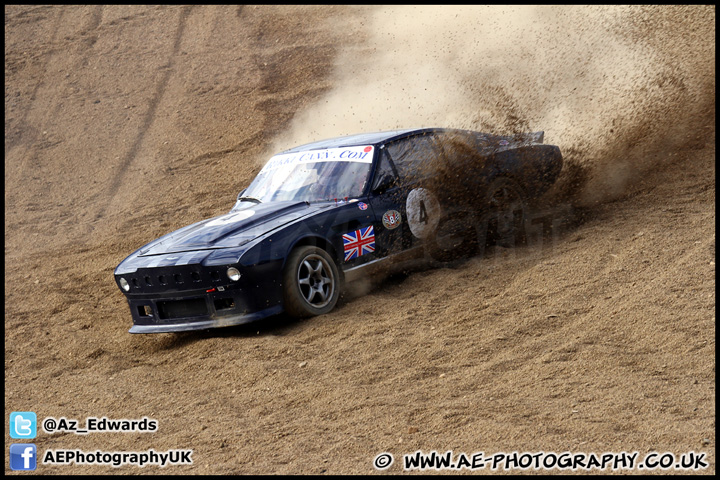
x: 193, y: 297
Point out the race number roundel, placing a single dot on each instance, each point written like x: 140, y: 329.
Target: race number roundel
x: 391, y: 219
x: 423, y: 212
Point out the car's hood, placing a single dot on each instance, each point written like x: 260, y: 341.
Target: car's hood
x: 232, y: 229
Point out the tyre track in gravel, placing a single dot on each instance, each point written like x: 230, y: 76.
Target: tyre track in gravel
x: 28, y: 135
x: 31, y: 136
x: 157, y: 97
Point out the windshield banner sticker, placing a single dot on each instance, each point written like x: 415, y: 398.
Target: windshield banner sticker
x: 362, y: 154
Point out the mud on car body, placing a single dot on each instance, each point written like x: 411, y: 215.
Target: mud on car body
x: 323, y: 214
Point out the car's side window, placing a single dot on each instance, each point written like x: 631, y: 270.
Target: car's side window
x: 414, y: 156
x: 385, y: 174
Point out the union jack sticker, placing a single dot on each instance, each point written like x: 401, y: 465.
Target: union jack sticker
x: 359, y: 242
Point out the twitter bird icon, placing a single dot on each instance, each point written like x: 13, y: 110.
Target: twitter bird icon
x: 23, y: 425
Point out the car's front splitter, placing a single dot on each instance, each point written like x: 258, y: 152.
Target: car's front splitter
x: 184, y: 325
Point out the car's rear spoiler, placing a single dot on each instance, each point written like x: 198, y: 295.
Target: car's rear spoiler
x: 533, y: 137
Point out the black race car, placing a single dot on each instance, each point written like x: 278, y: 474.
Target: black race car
x: 323, y: 214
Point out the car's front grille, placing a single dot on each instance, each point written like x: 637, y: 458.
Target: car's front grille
x: 173, y: 279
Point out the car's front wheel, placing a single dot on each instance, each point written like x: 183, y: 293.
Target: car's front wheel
x: 311, y: 282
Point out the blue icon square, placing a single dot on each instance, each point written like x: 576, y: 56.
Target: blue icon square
x: 23, y: 456
x: 23, y: 425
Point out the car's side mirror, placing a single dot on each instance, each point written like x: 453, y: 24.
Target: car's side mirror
x: 240, y: 194
x: 383, y: 183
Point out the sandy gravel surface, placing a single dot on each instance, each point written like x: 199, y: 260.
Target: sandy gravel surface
x: 124, y: 123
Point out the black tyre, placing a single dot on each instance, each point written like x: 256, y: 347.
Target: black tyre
x: 505, y: 211
x: 311, y: 282
x: 455, y: 237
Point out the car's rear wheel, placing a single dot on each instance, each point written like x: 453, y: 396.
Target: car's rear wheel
x: 505, y: 212
x: 311, y: 282
x: 454, y: 237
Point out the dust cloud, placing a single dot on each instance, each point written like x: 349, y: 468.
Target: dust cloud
x: 621, y: 89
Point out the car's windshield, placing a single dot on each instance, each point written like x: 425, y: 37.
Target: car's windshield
x: 312, y: 176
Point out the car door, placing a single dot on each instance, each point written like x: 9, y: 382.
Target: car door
x: 398, y: 186
x: 387, y: 201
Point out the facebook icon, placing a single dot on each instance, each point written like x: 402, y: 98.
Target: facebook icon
x: 23, y: 456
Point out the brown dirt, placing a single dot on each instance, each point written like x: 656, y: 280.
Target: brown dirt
x: 124, y: 123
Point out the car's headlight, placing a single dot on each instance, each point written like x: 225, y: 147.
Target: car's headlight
x: 233, y: 274
x: 124, y: 284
